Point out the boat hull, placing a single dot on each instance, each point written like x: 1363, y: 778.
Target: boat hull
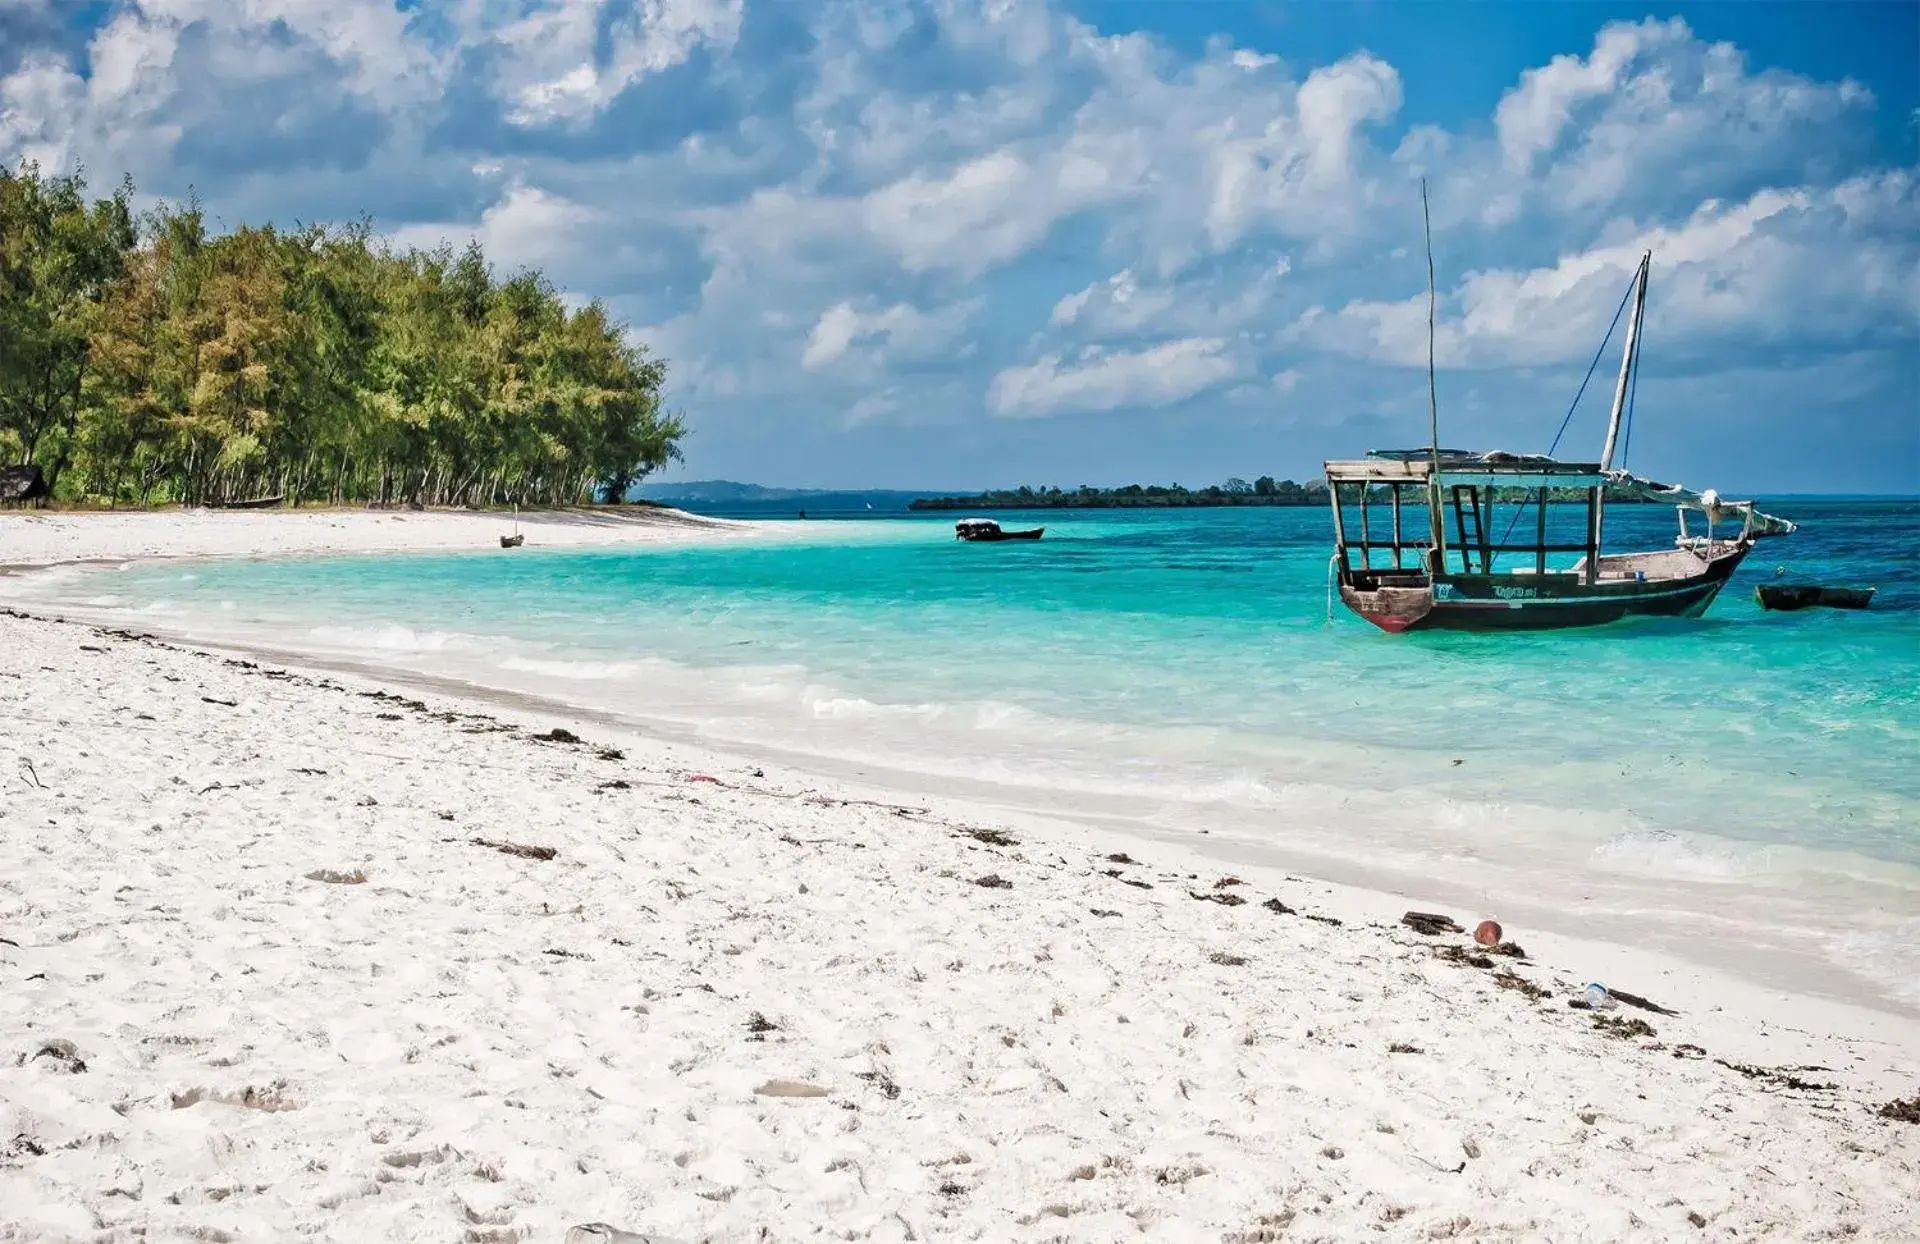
x: 1793, y: 596
x: 1536, y: 603
x: 995, y: 537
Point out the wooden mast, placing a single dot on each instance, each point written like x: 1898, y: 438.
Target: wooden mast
x: 1626, y: 361
x: 1436, y: 524
x: 1597, y: 509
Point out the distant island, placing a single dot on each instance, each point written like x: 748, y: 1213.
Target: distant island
x: 1264, y: 491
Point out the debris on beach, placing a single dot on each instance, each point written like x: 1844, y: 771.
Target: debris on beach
x: 516, y: 848
x: 1488, y: 933
x: 1907, y: 1111
x: 62, y: 1054
x: 993, y: 881
x: 1278, y: 908
x: 1635, y: 1000
x: 1507, y: 979
x: 1623, y: 1027
x: 1225, y: 898
x: 1430, y: 924
x: 603, y: 1233
x: 789, y: 1088
x: 328, y: 875
x: 1460, y: 954
x: 1781, y: 1077
x: 559, y: 734
x: 992, y: 837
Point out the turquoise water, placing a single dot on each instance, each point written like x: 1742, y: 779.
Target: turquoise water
x: 1181, y: 668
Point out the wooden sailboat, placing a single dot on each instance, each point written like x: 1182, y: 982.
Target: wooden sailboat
x: 1476, y: 578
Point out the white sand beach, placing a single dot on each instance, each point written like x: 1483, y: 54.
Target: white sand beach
x: 30, y: 538
x: 290, y: 953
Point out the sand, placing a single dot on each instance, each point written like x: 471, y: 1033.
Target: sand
x: 270, y: 974
x: 44, y: 538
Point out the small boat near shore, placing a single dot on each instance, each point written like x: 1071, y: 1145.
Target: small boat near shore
x: 1478, y: 576
x: 987, y: 531
x: 1786, y: 597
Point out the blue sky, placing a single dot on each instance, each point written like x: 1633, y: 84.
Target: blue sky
x: 972, y: 242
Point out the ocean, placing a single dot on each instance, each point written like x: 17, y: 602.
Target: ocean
x: 1747, y: 780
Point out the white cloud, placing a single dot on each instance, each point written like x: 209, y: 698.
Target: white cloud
x: 1801, y: 264
x: 1650, y: 110
x: 1159, y: 375
x: 526, y: 228
x: 553, y: 69
x: 900, y: 331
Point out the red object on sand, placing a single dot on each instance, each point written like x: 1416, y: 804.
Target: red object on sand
x: 1488, y: 934
x: 703, y: 777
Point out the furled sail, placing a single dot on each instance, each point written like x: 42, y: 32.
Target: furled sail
x: 1711, y: 503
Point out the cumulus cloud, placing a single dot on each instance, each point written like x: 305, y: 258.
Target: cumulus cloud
x: 900, y: 331
x: 1156, y: 376
x: 1800, y: 264
x: 527, y: 228
x: 562, y: 60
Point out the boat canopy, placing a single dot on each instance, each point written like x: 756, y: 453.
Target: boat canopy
x: 1500, y: 469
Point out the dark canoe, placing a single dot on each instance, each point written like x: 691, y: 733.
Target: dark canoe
x: 986, y: 531
x: 1536, y: 602
x: 512, y: 542
x: 1790, y: 596
x: 250, y: 503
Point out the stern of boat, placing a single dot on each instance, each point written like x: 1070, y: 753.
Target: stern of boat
x: 1391, y: 607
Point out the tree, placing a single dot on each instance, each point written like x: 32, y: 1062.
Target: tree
x: 58, y: 256
x: 167, y: 363
x: 1263, y: 487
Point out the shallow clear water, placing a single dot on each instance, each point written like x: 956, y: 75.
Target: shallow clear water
x: 1181, y: 667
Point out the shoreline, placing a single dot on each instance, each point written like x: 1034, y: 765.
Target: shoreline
x: 1635, y: 913
x: 1634, y: 923
x: 40, y: 540
x: 711, y: 927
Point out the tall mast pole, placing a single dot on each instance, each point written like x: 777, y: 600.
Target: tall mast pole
x: 1598, y: 510
x: 1436, y: 523
x: 1626, y: 361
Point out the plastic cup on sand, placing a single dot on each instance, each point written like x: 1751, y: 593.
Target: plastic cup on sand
x: 1597, y: 997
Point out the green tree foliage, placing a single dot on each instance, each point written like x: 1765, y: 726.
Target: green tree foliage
x: 157, y: 362
x: 1235, y: 492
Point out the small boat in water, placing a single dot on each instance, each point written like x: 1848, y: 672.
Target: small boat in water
x: 1476, y: 577
x: 1790, y: 596
x: 986, y: 531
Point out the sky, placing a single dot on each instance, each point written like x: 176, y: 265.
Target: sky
x: 972, y: 243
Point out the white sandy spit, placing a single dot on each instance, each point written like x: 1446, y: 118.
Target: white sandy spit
x: 40, y: 538
x: 265, y: 979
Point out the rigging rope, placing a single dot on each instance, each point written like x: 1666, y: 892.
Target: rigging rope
x: 1591, y: 367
